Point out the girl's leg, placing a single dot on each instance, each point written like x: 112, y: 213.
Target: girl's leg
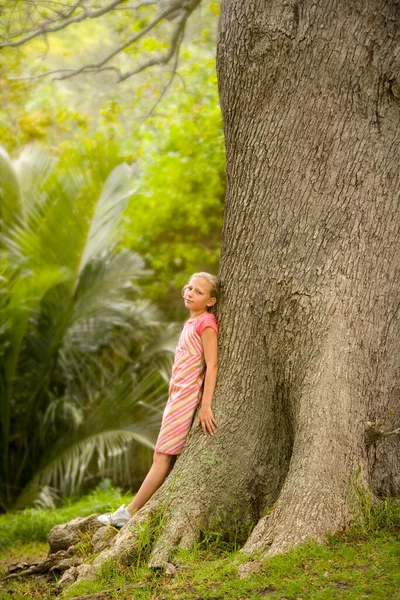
x: 162, y: 465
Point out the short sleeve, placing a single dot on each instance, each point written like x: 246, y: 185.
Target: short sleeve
x: 207, y: 321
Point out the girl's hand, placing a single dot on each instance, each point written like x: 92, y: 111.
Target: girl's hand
x: 206, y: 420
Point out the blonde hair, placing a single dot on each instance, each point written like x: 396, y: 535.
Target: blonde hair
x: 214, y: 288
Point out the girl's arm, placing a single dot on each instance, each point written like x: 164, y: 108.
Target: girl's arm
x: 206, y: 417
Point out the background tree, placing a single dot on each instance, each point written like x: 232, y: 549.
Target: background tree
x: 165, y: 121
x: 175, y: 219
x: 37, y: 106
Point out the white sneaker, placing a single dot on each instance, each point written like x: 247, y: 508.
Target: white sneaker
x: 117, y: 518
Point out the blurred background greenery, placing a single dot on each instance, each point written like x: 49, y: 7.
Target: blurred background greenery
x: 111, y: 196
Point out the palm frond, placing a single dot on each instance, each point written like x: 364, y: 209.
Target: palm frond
x: 118, y: 419
x: 20, y: 297
x: 33, y: 168
x: 159, y: 348
x: 87, y: 359
x: 108, y: 212
x: 22, y: 235
x: 10, y: 193
x: 102, y: 295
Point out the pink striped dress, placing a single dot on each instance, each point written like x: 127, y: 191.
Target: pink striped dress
x: 185, y: 387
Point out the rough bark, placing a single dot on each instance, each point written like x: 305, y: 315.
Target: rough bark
x: 309, y: 313
x: 311, y: 114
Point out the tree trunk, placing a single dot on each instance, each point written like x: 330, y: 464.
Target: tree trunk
x: 310, y: 256
x: 309, y: 327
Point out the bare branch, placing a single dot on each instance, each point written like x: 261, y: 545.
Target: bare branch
x: 45, y: 28
x: 129, y: 42
x: 60, y: 16
x: 135, y: 8
x: 164, y: 90
x: 184, y: 7
x: 376, y: 432
x: 176, y: 40
x: 390, y: 433
x: 148, y: 3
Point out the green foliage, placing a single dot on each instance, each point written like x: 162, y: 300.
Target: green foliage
x: 67, y: 112
x: 34, y: 110
x: 58, y: 372
x: 10, y: 194
x: 149, y: 532
x: 172, y: 137
x: 85, y: 359
x: 227, y: 533
x: 373, y: 514
x: 175, y: 219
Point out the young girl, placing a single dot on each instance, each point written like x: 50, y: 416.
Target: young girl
x: 195, y: 363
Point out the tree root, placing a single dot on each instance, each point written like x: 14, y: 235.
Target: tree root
x: 179, y: 532
x: 307, y: 508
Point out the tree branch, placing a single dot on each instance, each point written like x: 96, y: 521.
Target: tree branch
x: 137, y: 7
x: 176, y: 40
x: 163, y: 92
x: 46, y: 28
x: 375, y: 432
x: 187, y: 6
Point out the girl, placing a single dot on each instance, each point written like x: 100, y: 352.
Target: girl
x: 195, y: 363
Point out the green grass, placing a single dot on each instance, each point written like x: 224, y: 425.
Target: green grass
x: 33, y: 524
x: 359, y: 563
x: 339, y: 569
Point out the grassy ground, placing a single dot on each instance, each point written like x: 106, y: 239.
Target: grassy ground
x: 34, y: 524
x: 360, y: 563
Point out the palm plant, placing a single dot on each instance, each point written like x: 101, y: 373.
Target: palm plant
x: 84, y: 359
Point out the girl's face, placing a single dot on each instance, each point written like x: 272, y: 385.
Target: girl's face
x: 197, y: 295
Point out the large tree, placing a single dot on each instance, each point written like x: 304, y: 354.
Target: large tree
x: 307, y: 391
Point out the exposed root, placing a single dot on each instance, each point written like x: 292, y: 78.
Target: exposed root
x: 190, y: 536
x: 328, y: 449
x: 308, y: 508
x: 128, y: 543
x: 179, y: 531
x: 153, y: 533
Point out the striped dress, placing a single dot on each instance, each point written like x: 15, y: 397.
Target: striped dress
x: 185, y: 387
